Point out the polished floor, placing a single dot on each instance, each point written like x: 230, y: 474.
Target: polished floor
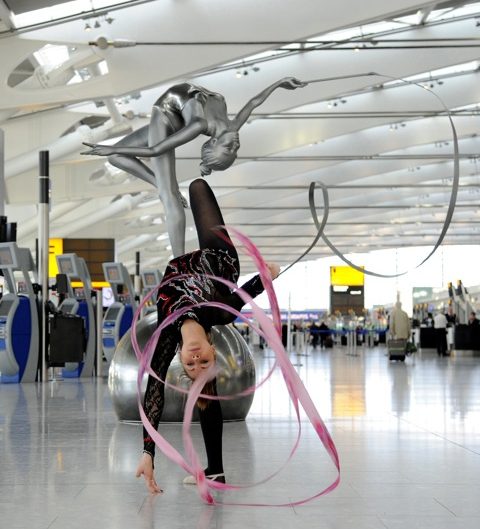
x: 408, y: 436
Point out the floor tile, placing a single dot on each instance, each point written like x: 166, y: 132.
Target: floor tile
x: 408, y: 437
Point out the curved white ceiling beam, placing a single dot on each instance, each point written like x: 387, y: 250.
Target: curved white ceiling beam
x: 287, y: 138
x: 29, y: 227
x: 158, y: 21
x: 63, y: 146
x: 124, y: 203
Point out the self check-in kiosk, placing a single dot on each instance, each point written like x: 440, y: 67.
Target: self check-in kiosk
x: 150, y: 280
x: 119, y: 316
x: 19, y: 327
x: 79, y: 301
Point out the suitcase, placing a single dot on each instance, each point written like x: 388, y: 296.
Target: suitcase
x: 397, y: 350
x: 328, y: 342
x: 67, y: 339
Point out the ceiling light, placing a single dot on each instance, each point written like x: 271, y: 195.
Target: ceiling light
x: 87, y: 27
x: 97, y: 24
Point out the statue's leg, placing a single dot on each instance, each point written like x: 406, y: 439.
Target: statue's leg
x: 166, y: 181
x: 131, y: 164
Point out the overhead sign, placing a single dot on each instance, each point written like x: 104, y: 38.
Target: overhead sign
x: 346, y: 276
x: 55, y: 247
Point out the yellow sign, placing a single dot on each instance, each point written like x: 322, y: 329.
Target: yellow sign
x: 55, y: 247
x: 346, y: 276
x: 95, y: 284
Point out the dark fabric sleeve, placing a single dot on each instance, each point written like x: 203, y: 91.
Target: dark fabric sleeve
x: 155, y: 392
x: 215, y: 316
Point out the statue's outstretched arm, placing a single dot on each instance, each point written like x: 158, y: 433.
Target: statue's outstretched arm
x: 188, y: 133
x: 290, y: 83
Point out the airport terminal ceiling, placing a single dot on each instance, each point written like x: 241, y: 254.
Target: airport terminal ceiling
x: 383, y: 147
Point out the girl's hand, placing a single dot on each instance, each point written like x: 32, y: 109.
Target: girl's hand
x: 274, y: 270
x: 145, y: 469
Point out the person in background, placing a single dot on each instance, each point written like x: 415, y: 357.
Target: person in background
x: 451, y: 316
x: 400, y: 326
x: 473, y: 320
x: 440, y: 326
x: 428, y: 321
x: 314, y: 334
x: 324, y: 333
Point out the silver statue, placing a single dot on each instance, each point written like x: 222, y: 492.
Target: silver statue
x: 180, y: 115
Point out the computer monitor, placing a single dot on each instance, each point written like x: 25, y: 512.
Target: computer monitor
x: 6, y: 256
x: 112, y: 313
x: 5, y: 307
x: 66, y: 265
x: 149, y: 279
x: 113, y: 273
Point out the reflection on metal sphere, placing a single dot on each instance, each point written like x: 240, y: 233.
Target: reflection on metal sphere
x: 237, y: 372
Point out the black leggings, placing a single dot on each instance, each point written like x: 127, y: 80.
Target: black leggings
x: 208, y: 219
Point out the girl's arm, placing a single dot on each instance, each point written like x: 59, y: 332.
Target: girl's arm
x: 184, y: 135
x: 253, y: 287
x: 289, y: 83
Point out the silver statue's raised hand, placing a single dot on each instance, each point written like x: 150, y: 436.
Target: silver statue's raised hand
x: 290, y: 83
x: 99, y: 150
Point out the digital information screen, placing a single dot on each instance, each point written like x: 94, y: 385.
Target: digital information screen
x: 149, y: 279
x: 65, y: 265
x: 5, y: 307
x: 112, y: 313
x: 6, y: 257
x: 113, y: 274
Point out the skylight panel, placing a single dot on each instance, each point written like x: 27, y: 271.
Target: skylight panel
x: 48, y: 14
x: 441, y: 72
x: 52, y: 55
x: 443, y: 14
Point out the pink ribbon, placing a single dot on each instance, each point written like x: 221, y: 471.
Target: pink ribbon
x: 271, y: 332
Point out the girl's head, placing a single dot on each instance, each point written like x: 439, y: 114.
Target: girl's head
x: 219, y: 153
x: 196, y: 354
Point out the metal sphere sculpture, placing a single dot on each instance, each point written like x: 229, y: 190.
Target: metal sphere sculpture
x: 237, y: 373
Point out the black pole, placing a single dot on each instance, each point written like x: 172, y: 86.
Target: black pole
x: 137, y: 263
x: 43, y: 248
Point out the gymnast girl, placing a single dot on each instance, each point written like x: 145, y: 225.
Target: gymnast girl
x: 180, y: 115
x: 189, y: 334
